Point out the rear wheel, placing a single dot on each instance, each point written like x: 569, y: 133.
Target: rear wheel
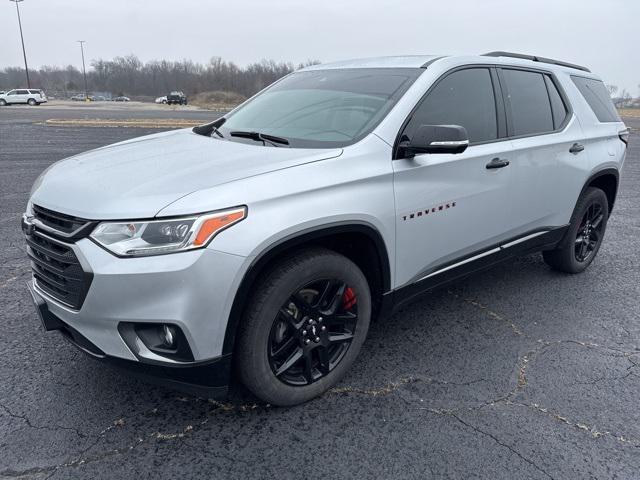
x: 304, y: 327
x: 32, y: 102
x: 584, y: 237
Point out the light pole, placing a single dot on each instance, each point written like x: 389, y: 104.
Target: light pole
x: 84, y: 71
x: 24, y: 52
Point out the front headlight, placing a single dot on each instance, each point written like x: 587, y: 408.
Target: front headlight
x: 155, y: 237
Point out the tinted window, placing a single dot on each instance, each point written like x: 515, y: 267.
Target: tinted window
x: 597, y: 96
x: 529, y: 102
x: 35, y: 92
x: 558, y: 107
x: 462, y: 98
x: 323, y: 108
x: 23, y: 92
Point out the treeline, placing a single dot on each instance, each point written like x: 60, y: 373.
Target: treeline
x: 132, y: 77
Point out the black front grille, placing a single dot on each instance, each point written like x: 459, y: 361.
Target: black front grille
x: 58, y: 221
x: 57, y: 270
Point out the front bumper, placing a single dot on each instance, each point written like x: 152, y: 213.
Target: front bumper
x: 209, y: 379
x: 192, y: 290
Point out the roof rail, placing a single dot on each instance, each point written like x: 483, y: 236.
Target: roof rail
x: 536, y: 59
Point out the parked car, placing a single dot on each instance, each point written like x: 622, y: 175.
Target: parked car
x: 161, y: 99
x: 271, y: 237
x: 82, y: 98
x: 176, y: 98
x: 121, y: 99
x: 29, y: 96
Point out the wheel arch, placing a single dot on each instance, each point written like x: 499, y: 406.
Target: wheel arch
x: 607, y: 180
x: 362, y: 241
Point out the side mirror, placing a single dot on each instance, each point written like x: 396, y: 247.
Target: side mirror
x: 436, y: 139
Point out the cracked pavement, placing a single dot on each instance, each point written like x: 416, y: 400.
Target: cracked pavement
x: 518, y: 372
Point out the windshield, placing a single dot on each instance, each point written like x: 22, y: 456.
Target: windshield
x: 322, y: 108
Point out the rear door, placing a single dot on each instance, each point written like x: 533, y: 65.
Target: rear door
x: 542, y: 132
x: 451, y: 206
x: 21, y: 97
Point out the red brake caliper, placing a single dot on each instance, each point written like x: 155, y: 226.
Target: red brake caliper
x: 348, y: 298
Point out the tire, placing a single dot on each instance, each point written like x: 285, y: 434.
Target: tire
x: 164, y: 101
x: 284, y: 298
x: 583, y: 239
x: 32, y: 102
x: 3, y: 103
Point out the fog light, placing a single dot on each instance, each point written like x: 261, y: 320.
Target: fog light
x: 169, y: 336
x: 161, y: 339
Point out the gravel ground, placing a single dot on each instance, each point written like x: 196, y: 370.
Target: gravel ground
x: 519, y: 372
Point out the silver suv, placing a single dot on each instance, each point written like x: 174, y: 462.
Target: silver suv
x: 29, y: 96
x: 265, y: 242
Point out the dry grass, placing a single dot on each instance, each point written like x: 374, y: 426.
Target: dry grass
x: 138, y: 122
x: 629, y: 112
x: 217, y: 100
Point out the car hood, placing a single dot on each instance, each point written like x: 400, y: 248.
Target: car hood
x: 138, y: 178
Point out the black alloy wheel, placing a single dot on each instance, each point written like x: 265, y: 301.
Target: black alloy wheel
x: 312, y: 332
x: 590, y: 232
x: 584, y: 234
x: 304, y: 324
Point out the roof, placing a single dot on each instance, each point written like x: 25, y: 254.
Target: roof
x: 422, y: 61
x: 406, y: 61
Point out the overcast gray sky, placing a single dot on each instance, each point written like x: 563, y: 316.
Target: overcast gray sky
x: 601, y: 34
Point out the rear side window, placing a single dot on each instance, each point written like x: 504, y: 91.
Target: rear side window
x: 462, y: 98
x: 558, y: 106
x: 23, y: 92
x: 597, y: 96
x: 528, y: 100
x: 35, y: 92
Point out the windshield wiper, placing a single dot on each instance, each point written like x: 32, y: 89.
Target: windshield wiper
x: 209, y: 128
x: 261, y: 137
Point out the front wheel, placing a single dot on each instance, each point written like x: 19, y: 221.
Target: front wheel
x: 3, y: 102
x: 304, y: 327
x: 584, y: 237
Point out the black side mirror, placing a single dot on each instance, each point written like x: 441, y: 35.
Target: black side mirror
x: 436, y: 139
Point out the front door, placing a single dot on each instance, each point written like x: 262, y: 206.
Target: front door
x: 451, y: 206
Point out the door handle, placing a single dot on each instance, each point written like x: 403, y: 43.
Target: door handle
x: 576, y: 148
x: 497, y: 163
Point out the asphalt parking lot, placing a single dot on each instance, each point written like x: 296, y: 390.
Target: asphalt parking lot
x: 518, y: 372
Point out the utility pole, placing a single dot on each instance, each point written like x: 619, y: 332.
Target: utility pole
x: 24, y: 52
x: 84, y: 71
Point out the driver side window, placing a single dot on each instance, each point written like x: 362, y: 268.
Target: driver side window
x: 464, y: 97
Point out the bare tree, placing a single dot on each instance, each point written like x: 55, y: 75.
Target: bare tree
x: 128, y: 75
